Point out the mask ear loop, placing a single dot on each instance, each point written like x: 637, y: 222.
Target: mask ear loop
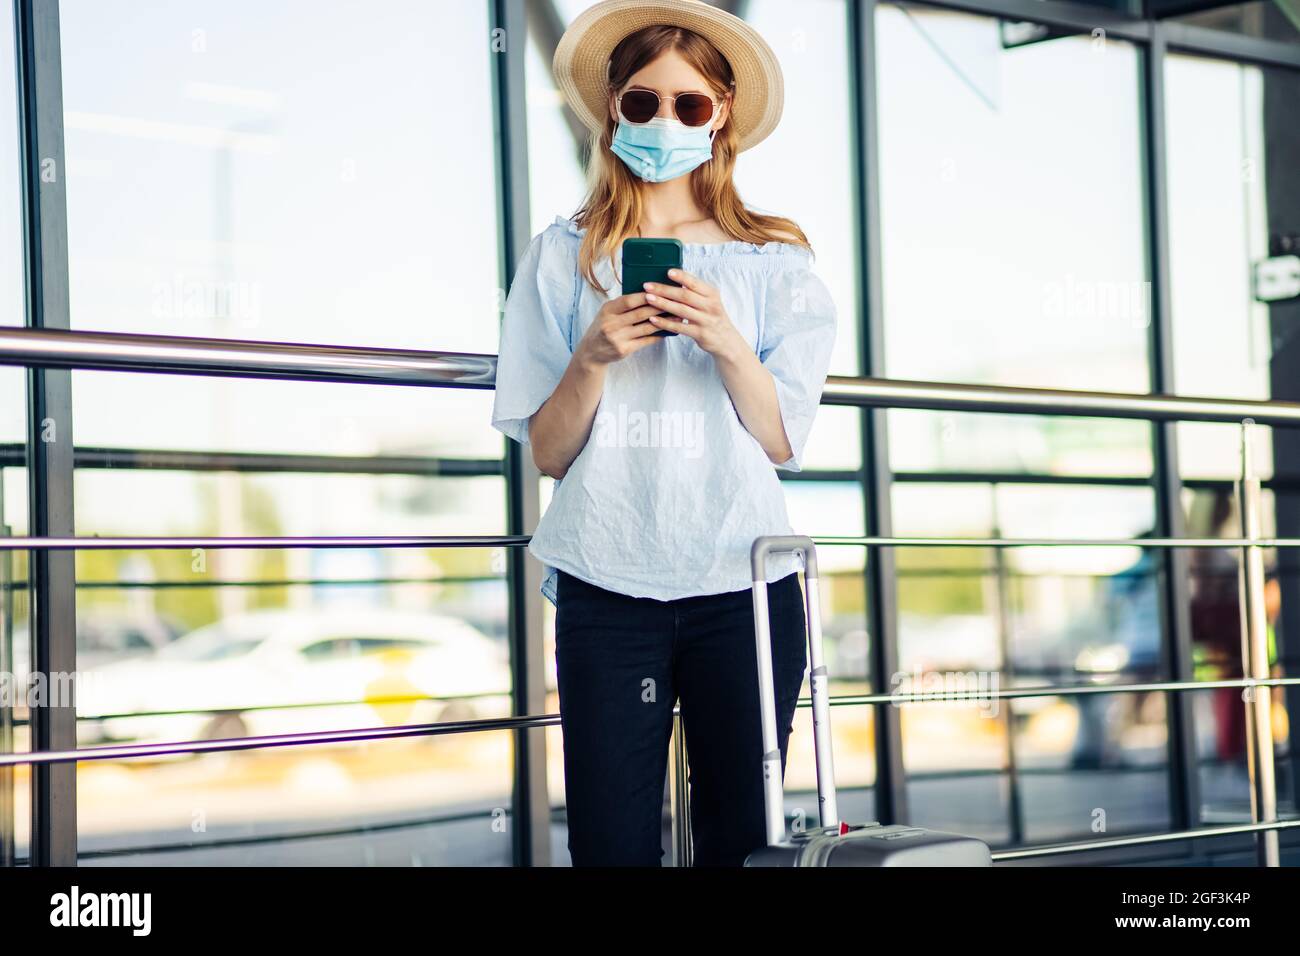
x: 714, y: 132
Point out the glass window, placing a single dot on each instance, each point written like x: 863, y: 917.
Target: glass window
x: 1012, y: 231
x: 1011, y: 199
x: 926, y: 442
x: 279, y: 170
x: 1013, y: 245
x: 1234, y: 242
x: 254, y: 654
x: 978, y: 620
x: 275, y: 171
x: 1231, y: 211
x: 412, y: 801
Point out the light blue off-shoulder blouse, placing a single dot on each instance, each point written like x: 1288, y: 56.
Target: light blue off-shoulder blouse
x: 671, y: 490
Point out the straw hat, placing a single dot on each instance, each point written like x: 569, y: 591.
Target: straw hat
x: 581, y: 61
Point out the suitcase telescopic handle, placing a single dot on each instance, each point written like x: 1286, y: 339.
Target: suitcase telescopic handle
x: 773, y: 799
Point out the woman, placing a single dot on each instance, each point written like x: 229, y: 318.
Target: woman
x: 664, y: 448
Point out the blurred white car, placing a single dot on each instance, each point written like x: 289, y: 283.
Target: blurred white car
x: 256, y: 673
x: 103, y: 636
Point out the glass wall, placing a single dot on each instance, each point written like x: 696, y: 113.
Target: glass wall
x: 277, y: 171
x: 1012, y: 213
x: 1234, y: 209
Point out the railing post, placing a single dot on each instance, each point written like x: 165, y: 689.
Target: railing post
x: 52, y: 575
x: 7, y: 804
x: 531, y: 798
x: 681, y: 796
x: 1254, y: 657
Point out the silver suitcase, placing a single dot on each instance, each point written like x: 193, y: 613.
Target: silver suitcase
x: 833, y: 843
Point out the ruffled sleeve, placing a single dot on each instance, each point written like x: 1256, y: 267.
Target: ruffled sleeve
x: 795, y: 346
x: 535, y: 343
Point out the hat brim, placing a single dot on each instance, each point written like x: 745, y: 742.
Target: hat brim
x: 582, y: 56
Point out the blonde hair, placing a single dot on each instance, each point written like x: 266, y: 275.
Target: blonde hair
x: 612, y: 209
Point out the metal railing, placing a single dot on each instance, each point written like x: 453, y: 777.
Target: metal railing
x: 238, y: 358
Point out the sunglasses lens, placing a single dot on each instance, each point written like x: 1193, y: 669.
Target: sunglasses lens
x: 694, y: 109
x: 639, y: 106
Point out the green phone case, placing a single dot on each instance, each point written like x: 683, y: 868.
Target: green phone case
x: 648, y: 260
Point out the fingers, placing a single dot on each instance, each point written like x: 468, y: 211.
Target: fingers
x: 691, y: 329
x: 635, y: 319
x: 678, y: 308
x: 639, y: 333
x: 677, y: 294
x: 628, y: 341
x: 617, y: 323
x: 639, y: 329
x: 643, y: 341
x: 691, y: 282
x: 625, y: 304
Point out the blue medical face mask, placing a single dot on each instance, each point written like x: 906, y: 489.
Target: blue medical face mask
x: 662, y: 148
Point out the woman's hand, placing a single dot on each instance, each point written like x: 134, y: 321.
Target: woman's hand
x: 559, y: 429
x: 700, y: 314
x: 750, y: 385
x: 618, y: 330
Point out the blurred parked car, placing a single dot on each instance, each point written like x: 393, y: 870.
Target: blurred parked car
x: 104, y: 637
x: 258, y: 673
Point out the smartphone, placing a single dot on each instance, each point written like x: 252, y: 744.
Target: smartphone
x: 648, y: 260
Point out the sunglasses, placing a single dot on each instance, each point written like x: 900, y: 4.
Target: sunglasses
x: 641, y: 106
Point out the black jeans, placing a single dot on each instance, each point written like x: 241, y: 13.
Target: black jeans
x: 621, y: 664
